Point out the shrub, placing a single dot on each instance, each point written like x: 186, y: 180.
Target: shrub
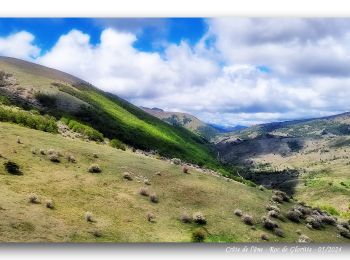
x: 154, y: 198
x: 50, y: 204
x: 144, y: 191
x: 150, y: 216
x: 89, y: 217
x: 198, y: 235
x: 95, y: 168
x: 42, y: 151
x: 83, y: 129
x: 277, y: 199
x: 343, y: 231
x: 273, y: 214
x: 264, y: 237
x: 247, y: 219
x: 46, y: 99
x: 238, y: 212
x: 12, y: 168
x: 53, y: 157
x: 282, y: 194
x: 95, y: 155
x: 304, y: 239
x: 97, y: 233
x: 185, y: 218
x: 329, y: 220
x: 176, y: 161
x: 115, y: 143
x: 314, y: 221
x: 199, y: 218
x: 71, y: 158
x: 269, y: 223
x: 127, y: 176
x: 185, y: 169
x: 272, y: 207
x: 33, y: 198
x: 33, y: 150
x: 18, y: 140
x: 279, y: 232
x: 262, y: 188
x: 147, y: 182
x: 25, y: 118
x: 294, y: 215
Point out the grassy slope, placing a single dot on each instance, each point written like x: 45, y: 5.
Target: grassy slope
x: 112, y: 116
x: 115, y: 203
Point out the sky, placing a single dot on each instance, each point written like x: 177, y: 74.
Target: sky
x: 225, y: 71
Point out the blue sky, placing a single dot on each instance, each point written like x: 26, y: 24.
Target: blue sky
x: 225, y: 71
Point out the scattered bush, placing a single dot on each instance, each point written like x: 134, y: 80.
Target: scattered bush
x: 144, y: 191
x: 115, y: 143
x: 277, y: 199
x: 18, y: 140
x: 154, y: 198
x: 33, y: 198
x: 50, y: 204
x: 33, y: 150
x: 150, y: 216
x: 273, y: 214
x: 42, y: 151
x: 343, y: 231
x: 53, y: 157
x: 198, y: 235
x: 95, y: 168
x: 176, y: 161
x: 95, y: 155
x: 314, y: 221
x: 238, y: 212
x: 83, y: 129
x: 282, y: 194
x: 89, y: 217
x: 304, y: 239
x: 269, y: 223
x: 25, y: 118
x: 71, y: 158
x: 147, y: 182
x: 199, y: 218
x: 279, y: 232
x: 248, y: 219
x: 12, y: 168
x: 329, y: 220
x: 97, y: 233
x: 185, y: 169
x: 185, y: 218
x: 127, y: 176
x: 262, y: 188
x: 294, y: 215
x: 272, y: 207
x: 264, y: 237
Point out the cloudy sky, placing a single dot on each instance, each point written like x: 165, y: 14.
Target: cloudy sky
x: 225, y: 71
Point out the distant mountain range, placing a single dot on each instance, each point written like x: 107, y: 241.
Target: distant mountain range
x: 191, y: 123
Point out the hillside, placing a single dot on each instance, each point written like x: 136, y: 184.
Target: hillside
x: 186, y: 120
x: 118, y: 213
x: 34, y: 87
x: 307, y: 158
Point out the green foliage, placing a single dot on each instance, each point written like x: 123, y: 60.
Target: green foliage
x: 86, y: 130
x: 5, y: 100
x: 198, y: 235
x: 46, y: 99
x: 117, y: 144
x: 44, y: 123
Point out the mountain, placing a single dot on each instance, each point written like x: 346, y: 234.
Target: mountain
x: 185, y: 120
x: 48, y: 91
x: 308, y: 158
x: 227, y: 129
x: 78, y: 165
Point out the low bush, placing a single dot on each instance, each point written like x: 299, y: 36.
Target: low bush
x: 277, y: 199
x: 199, y: 218
x: 269, y: 223
x: 127, y: 176
x: 154, y: 198
x: 314, y: 221
x: 115, y: 143
x: 279, y: 232
x: 53, y: 157
x: 185, y: 218
x: 238, y: 212
x: 272, y: 207
x: 248, y: 219
x: 89, y: 217
x: 304, y: 239
x: 144, y: 191
x: 150, y: 216
x: 94, y: 168
x: 12, y: 168
x: 282, y: 194
x: 264, y: 237
x: 33, y: 198
x: 198, y: 235
x: 294, y: 215
x: 83, y: 129
x: 147, y: 182
x: 185, y: 169
x: 71, y: 158
x: 50, y: 204
x: 25, y: 118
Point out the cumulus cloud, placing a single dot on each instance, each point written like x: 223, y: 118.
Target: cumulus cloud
x: 242, y: 71
x: 19, y: 45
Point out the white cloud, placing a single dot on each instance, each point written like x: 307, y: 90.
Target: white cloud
x: 19, y: 45
x: 305, y: 68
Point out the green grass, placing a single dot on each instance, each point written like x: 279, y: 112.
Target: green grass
x: 119, y: 210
